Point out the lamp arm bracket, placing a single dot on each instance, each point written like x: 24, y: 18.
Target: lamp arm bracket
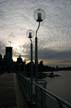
x: 37, y: 28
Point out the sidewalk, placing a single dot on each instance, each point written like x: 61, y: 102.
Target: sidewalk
x: 10, y: 95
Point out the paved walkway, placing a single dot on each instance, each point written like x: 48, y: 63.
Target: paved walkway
x: 10, y: 95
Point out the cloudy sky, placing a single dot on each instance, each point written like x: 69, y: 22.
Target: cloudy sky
x: 17, y: 16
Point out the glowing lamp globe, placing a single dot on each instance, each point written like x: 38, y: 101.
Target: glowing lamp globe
x: 39, y: 15
x: 30, y: 34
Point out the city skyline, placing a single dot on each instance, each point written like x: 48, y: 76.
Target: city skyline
x: 17, y: 16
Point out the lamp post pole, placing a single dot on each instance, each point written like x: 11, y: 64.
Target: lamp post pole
x: 31, y: 47
x: 30, y: 33
x: 36, y: 52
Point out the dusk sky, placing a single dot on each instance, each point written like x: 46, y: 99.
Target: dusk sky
x: 17, y: 16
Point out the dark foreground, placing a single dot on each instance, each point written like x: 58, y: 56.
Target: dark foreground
x: 10, y: 94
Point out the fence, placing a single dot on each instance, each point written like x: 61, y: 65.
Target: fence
x: 40, y: 97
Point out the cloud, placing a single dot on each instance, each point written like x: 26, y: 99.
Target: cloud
x: 16, y: 16
x: 53, y: 54
x: 2, y: 48
x: 54, y: 57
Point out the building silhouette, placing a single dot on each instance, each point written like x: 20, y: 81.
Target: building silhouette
x: 8, y: 54
x: 7, y: 61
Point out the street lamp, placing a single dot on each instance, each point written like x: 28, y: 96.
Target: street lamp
x: 30, y: 35
x: 39, y: 16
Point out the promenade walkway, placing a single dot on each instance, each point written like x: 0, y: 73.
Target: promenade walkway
x: 10, y: 94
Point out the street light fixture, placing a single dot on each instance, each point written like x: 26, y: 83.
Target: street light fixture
x: 30, y: 35
x: 39, y: 16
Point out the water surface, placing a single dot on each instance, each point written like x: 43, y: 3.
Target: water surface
x: 61, y: 85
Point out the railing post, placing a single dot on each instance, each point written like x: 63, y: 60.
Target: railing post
x: 60, y: 103
x: 43, y: 96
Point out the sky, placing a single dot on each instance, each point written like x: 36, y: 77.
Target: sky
x: 54, y: 35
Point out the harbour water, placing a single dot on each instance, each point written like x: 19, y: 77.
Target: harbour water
x: 61, y: 85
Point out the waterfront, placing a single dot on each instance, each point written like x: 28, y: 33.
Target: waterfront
x: 60, y: 86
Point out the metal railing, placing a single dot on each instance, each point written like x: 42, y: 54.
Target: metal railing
x: 44, y: 98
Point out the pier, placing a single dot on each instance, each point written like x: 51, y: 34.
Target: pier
x: 15, y: 92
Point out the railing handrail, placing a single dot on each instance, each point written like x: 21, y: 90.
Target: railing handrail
x: 47, y: 92
x: 54, y: 96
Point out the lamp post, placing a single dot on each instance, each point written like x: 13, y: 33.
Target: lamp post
x: 30, y: 34
x: 39, y: 16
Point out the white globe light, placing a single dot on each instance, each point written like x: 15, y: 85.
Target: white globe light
x: 30, y: 34
x: 39, y: 15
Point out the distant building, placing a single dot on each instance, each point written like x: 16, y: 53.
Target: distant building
x: 19, y: 59
x: 8, y: 54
